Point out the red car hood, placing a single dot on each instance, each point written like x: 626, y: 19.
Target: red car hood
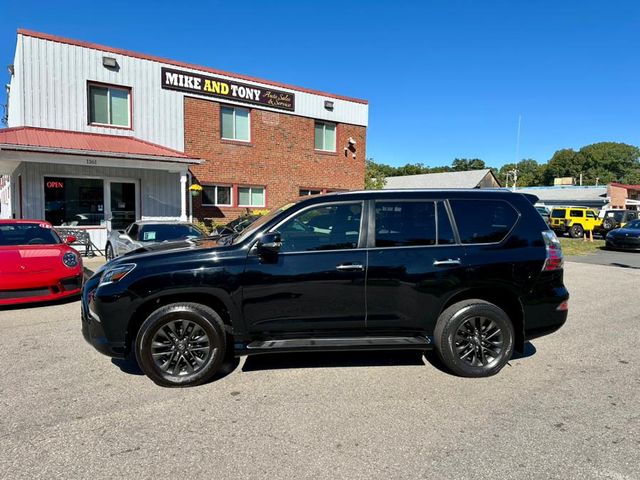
x: 21, y: 265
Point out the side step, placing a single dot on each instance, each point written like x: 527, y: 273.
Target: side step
x: 339, y: 343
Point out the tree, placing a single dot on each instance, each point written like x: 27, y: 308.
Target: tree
x: 374, y: 177
x: 463, y: 164
x: 530, y: 173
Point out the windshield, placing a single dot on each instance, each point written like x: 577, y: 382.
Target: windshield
x: 558, y: 213
x: 251, y: 229
x: 27, y: 234
x: 165, y: 233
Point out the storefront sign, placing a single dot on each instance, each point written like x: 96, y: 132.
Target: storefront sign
x: 55, y: 184
x: 221, y: 88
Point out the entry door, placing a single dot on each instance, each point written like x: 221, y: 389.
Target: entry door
x: 316, y: 284
x: 123, y: 204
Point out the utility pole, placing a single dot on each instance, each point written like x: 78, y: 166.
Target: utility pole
x: 514, y: 173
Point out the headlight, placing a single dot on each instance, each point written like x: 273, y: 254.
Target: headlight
x: 71, y: 259
x: 117, y: 273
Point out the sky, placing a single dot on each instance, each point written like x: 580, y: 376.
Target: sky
x: 444, y: 79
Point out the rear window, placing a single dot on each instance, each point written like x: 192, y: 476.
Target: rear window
x: 483, y: 221
x: 27, y: 234
x: 558, y: 213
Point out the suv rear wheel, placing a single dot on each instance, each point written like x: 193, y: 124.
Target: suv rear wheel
x: 181, y: 345
x: 474, y: 338
x: 576, y: 231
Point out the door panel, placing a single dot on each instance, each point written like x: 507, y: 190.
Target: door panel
x: 305, y: 292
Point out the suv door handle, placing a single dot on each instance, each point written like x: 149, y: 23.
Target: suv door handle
x: 350, y: 267
x: 449, y: 262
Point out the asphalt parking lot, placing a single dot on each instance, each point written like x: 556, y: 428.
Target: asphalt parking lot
x: 569, y: 408
x: 611, y: 258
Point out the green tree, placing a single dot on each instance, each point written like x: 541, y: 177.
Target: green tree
x: 530, y: 173
x: 463, y: 164
x: 374, y: 178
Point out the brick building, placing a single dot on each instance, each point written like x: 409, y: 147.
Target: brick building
x: 101, y: 136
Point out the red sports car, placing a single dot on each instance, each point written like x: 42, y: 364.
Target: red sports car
x: 35, y: 264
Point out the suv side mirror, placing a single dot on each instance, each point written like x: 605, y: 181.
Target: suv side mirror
x: 270, y: 243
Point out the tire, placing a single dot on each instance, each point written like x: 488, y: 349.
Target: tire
x: 576, y: 231
x: 108, y: 252
x: 183, y: 359
x: 608, y: 224
x: 467, y: 354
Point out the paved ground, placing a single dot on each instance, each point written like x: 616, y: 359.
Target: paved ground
x: 610, y: 258
x: 570, y: 409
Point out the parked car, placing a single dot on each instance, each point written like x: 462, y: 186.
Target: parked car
x: 470, y: 273
x: 615, y: 219
x: 625, y: 238
x: 146, y: 232
x: 574, y: 221
x: 36, y: 265
x: 544, y: 213
x: 234, y: 227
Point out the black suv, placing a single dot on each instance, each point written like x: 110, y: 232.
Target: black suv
x: 473, y: 274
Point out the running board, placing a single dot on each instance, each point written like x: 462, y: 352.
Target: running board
x: 337, y: 343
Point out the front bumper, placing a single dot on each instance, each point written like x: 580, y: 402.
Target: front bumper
x: 56, y: 290
x: 93, y: 330
x: 623, y: 243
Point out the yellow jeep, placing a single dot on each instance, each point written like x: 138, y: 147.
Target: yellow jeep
x: 574, y: 220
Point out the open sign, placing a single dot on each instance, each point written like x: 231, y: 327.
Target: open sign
x: 55, y: 184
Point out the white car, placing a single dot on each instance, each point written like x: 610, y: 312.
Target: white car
x: 143, y: 233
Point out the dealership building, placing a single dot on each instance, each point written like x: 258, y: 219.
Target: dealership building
x: 100, y: 136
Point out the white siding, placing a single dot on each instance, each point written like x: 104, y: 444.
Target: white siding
x: 53, y: 78
x: 16, y: 97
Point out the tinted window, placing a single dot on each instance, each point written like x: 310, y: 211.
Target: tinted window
x: 162, y: 233
x: 558, y: 213
x: 483, y: 221
x: 327, y: 227
x: 591, y: 214
x: 27, y: 234
x: 576, y: 213
x: 133, y: 231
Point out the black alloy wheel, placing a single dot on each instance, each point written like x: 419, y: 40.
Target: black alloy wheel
x: 181, y: 344
x: 474, y: 338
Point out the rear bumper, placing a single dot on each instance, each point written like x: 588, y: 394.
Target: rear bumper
x: 56, y: 290
x: 543, y: 313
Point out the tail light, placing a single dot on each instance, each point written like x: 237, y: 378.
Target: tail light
x: 555, y: 259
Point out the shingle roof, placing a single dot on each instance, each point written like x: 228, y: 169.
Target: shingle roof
x: 62, y: 141
x: 468, y: 179
x: 566, y: 193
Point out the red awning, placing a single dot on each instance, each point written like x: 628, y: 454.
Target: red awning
x: 81, y: 143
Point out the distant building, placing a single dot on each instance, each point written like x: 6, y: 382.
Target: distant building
x: 567, y: 195
x: 468, y: 179
x: 624, y: 196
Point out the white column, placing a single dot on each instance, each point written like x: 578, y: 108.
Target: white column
x: 183, y: 196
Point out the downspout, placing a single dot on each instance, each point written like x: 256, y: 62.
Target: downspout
x: 190, y: 182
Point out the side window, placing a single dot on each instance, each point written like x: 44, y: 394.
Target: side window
x: 590, y: 214
x: 325, y: 227
x: 575, y: 213
x: 402, y: 224
x: 483, y: 221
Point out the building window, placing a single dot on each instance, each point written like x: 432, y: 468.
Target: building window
x: 70, y: 202
x: 235, y: 123
x: 216, y: 195
x: 305, y: 192
x: 325, y: 137
x: 251, y: 197
x: 109, y: 106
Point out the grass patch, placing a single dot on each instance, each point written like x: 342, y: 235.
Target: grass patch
x: 575, y: 246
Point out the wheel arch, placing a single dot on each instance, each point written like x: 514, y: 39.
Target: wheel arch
x: 215, y: 302
x: 502, y: 297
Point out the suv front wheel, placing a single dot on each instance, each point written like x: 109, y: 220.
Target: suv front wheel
x: 474, y: 338
x: 181, y: 345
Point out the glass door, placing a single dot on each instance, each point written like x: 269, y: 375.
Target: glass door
x: 123, y: 204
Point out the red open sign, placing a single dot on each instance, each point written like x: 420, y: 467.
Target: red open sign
x: 55, y: 184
